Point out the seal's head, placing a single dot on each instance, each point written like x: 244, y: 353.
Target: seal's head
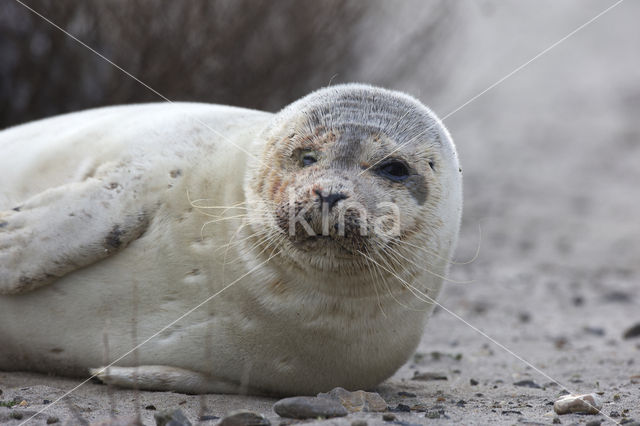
x: 352, y: 170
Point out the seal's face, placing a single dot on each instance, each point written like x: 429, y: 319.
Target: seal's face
x: 348, y: 173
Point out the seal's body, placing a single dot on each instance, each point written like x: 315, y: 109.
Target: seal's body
x: 215, y: 239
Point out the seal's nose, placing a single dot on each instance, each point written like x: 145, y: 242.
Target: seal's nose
x: 331, y: 199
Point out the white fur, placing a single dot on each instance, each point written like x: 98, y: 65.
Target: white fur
x: 310, y: 337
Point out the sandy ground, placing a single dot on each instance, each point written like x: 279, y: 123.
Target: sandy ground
x: 551, y: 181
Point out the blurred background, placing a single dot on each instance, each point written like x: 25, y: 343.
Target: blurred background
x: 551, y: 155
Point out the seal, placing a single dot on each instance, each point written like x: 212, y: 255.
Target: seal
x: 210, y: 249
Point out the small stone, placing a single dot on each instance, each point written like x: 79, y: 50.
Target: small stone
x: 524, y: 317
x: 359, y: 423
x: 309, y: 407
x: 631, y: 332
x: 150, y: 407
x: 556, y: 421
x: 358, y: 401
x: 594, y: 423
x: 407, y: 394
x: 617, y: 297
x: 23, y: 403
x: 419, y: 407
x: 208, y: 417
x: 171, y: 418
x: 402, y: 408
x: 52, y: 419
x: 595, y: 331
x: 432, y: 414
x: 429, y: 376
x: 473, y: 382
x: 586, y: 404
x: 46, y: 401
x: 527, y: 384
x: 505, y: 412
x: 388, y: 417
x: 16, y: 415
x: 461, y: 403
x: 614, y: 414
x: 243, y: 418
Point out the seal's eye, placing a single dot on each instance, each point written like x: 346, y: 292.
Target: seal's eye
x: 394, y: 170
x: 307, y: 158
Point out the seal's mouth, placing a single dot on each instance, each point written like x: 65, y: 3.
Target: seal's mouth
x: 339, y: 246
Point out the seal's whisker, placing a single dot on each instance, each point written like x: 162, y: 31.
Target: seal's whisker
x: 222, y: 219
x: 204, y: 225
x: 261, y: 240
x: 412, y: 289
x: 192, y: 202
x: 370, y: 267
x: 391, y: 293
x: 435, y: 274
x: 228, y: 246
x: 409, y: 287
x: 222, y: 213
x: 237, y: 241
x: 434, y: 254
x: 233, y: 206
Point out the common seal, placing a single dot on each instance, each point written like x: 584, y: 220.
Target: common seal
x: 331, y: 219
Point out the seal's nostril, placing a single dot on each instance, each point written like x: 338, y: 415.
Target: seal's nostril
x: 331, y: 199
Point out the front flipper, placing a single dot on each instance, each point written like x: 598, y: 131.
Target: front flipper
x: 164, y: 378
x: 66, y: 228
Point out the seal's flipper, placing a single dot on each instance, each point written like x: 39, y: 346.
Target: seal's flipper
x: 164, y: 378
x: 66, y: 228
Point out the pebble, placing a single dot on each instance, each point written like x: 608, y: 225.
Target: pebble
x: 358, y: 401
x: 473, y: 382
x: 407, y: 394
x: 617, y: 297
x: 244, y: 418
x: 631, y: 332
x: 403, y: 408
x: 171, y: 418
x: 595, y: 331
x: 586, y: 404
x: 425, y: 377
x: 594, y: 423
x: 432, y: 414
x: 52, y: 419
x: 309, y: 407
x: 527, y: 384
x: 359, y: 423
x: 388, y: 417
